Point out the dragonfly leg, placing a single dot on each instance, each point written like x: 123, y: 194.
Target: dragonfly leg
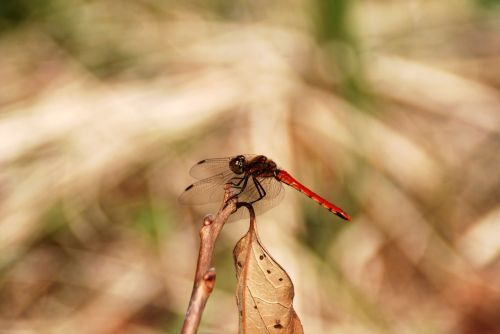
x: 241, y: 188
x: 237, y: 184
x: 260, y: 189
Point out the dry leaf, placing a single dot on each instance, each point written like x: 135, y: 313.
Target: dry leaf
x: 265, y: 291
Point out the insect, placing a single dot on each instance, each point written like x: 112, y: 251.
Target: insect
x: 255, y: 179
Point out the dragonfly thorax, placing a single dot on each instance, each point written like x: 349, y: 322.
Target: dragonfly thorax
x: 256, y: 166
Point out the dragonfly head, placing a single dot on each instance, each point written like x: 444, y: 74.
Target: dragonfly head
x: 237, y: 164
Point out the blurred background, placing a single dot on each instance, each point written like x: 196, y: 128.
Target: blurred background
x: 391, y: 109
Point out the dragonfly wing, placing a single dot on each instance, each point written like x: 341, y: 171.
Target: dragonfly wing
x: 209, y: 167
x: 271, y: 186
x: 274, y: 194
x: 206, y: 191
x: 215, y: 173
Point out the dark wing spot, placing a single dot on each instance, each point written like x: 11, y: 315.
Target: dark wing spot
x: 268, y: 271
x: 189, y: 187
x: 255, y: 306
x: 278, y: 325
x: 280, y: 279
x: 201, y: 161
x: 261, y: 257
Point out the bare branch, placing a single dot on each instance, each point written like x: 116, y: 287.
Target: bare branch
x: 204, y: 279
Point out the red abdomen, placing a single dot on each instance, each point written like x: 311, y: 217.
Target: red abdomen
x: 284, y: 177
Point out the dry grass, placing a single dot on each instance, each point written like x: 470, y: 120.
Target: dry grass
x: 105, y: 106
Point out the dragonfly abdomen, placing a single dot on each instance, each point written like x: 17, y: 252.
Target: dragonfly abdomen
x: 286, y: 178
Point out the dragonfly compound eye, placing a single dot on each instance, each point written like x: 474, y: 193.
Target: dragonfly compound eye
x: 236, y: 164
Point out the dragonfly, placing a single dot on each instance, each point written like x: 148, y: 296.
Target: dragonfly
x: 254, y: 179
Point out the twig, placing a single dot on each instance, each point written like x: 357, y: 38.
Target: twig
x: 204, y: 279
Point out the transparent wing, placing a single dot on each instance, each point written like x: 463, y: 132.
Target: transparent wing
x: 209, y: 167
x: 215, y: 173
x: 212, y: 190
x: 208, y: 190
x: 274, y: 194
x: 271, y: 186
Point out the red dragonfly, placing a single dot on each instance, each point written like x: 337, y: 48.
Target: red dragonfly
x: 255, y: 179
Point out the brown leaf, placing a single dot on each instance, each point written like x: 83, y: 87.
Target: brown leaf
x: 265, y: 291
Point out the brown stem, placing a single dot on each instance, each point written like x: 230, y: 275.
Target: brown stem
x: 204, y: 279
x: 250, y: 211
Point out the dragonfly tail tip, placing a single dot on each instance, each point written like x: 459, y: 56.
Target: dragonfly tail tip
x: 344, y: 216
